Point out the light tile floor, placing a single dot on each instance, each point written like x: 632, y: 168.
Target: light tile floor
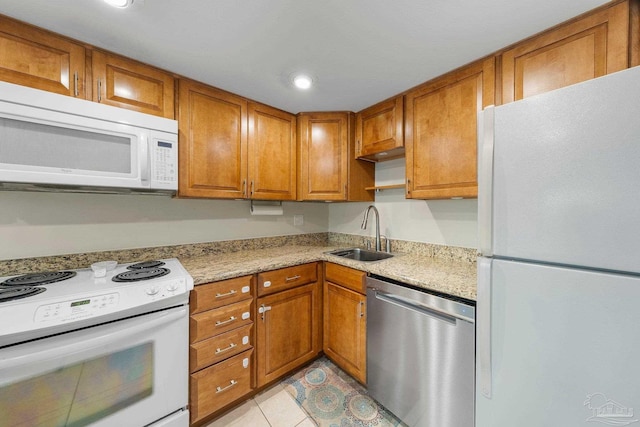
x: 273, y: 407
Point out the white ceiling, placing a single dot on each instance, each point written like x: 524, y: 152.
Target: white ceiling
x: 359, y: 51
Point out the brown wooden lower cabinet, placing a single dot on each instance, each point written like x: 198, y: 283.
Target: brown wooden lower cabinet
x: 226, y: 360
x: 220, y: 384
x: 345, y: 319
x: 221, y: 345
x: 287, y: 331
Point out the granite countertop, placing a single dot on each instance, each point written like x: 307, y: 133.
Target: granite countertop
x: 452, y: 277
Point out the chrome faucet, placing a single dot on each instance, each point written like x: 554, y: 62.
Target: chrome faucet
x: 364, y: 224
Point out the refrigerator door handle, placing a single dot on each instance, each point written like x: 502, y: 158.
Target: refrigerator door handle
x: 485, y: 179
x: 483, y: 327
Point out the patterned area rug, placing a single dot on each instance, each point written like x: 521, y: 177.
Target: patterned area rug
x: 334, y: 399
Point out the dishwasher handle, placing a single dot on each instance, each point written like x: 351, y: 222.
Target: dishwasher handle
x: 418, y: 307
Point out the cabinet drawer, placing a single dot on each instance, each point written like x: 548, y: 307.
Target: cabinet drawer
x: 217, y: 294
x: 220, y: 347
x: 213, y: 322
x: 286, y: 278
x: 345, y: 276
x: 218, y: 385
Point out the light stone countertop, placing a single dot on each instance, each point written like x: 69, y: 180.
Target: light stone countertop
x: 451, y: 277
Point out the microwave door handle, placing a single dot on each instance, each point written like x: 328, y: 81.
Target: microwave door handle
x: 145, y: 163
x: 87, y: 340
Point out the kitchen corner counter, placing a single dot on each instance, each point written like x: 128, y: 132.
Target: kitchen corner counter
x: 453, y: 277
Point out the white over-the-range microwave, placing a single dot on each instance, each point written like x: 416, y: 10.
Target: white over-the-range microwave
x: 56, y: 142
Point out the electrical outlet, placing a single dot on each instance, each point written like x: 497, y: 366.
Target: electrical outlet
x: 298, y: 220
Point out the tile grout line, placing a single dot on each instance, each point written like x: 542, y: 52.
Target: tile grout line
x: 262, y: 412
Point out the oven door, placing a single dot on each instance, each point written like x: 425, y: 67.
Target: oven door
x: 132, y: 372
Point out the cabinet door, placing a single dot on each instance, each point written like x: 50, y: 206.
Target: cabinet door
x: 288, y: 331
x: 33, y: 57
x: 379, y: 133
x: 125, y: 83
x: 345, y: 329
x: 441, y: 132
x: 272, y: 153
x: 328, y: 169
x: 593, y: 46
x: 213, y: 142
x: 324, y: 141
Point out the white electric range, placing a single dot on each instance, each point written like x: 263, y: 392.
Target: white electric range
x: 96, y: 348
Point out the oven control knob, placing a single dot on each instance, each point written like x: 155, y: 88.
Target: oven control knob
x: 152, y: 291
x: 171, y: 287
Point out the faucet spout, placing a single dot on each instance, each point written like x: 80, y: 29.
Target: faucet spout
x: 364, y: 224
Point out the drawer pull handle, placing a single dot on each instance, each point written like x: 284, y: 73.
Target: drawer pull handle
x: 231, y: 292
x: 224, y: 322
x: 296, y: 277
x: 231, y: 384
x: 222, y: 350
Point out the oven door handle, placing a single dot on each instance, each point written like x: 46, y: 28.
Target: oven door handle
x: 85, y: 340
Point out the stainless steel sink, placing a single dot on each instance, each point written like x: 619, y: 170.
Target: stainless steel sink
x: 358, y: 254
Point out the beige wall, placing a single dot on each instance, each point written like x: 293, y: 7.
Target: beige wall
x: 445, y: 222
x: 40, y: 224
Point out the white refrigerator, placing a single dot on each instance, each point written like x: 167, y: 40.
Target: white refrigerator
x: 558, y: 310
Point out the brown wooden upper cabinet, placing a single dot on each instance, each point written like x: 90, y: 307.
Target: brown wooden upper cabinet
x: 233, y: 149
x: 126, y: 83
x: 272, y: 153
x: 589, y: 47
x: 379, y: 131
x: 327, y: 167
x: 39, y: 59
x: 212, y: 126
x: 440, y: 132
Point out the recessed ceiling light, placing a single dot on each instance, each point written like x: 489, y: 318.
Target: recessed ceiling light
x: 119, y: 3
x: 302, y: 81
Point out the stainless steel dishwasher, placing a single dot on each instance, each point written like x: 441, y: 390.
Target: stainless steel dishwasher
x: 420, y: 354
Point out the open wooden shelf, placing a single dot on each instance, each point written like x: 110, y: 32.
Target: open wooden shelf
x: 385, y: 187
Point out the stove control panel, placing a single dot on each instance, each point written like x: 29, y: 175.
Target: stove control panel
x: 67, y: 311
x: 129, y: 296
x: 166, y: 288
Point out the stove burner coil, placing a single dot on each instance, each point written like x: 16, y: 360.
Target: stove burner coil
x: 9, y: 293
x: 145, y: 264
x: 43, y: 278
x: 139, y: 275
